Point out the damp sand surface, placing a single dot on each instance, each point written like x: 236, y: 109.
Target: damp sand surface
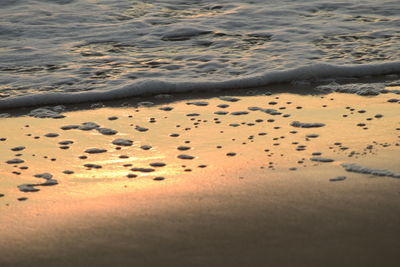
x: 241, y: 195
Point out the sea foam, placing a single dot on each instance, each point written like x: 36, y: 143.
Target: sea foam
x: 153, y: 86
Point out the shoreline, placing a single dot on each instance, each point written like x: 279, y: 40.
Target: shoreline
x: 307, y: 77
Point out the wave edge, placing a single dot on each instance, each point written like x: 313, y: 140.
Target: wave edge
x: 154, y: 86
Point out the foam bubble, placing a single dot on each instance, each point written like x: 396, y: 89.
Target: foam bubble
x: 239, y: 113
x: 107, y: 131
x: 352, y: 167
x: 157, y: 164
x: 141, y: 129
x: 142, y: 169
x: 28, y: 188
x: 122, y: 142
x: 145, y: 147
x: 184, y: 156
x: 95, y: 150
x: 18, y: 148
x: 92, y: 166
x: 321, y: 159
x: 306, y: 124
x: 88, y: 126
x: 69, y: 127
x: 166, y: 108
x: 53, y: 113
x: 338, y: 178
x: 198, y: 103
x: 51, y: 135
x: 15, y: 161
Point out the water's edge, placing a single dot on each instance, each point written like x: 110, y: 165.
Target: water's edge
x: 312, y: 73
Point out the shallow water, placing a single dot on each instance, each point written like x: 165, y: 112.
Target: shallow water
x: 73, y: 46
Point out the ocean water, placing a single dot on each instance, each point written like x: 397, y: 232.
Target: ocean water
x: 66, y: 51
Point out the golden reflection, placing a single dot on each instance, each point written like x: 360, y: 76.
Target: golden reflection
x: 258, y: 140
x: 267, y: 160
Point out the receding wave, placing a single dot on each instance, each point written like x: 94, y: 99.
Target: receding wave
x: 153, y: 86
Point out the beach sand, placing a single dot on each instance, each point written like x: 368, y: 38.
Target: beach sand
x: 263, y: 182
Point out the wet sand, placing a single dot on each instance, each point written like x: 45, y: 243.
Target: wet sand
x: 217, y: 181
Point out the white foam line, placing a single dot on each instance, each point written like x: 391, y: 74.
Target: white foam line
x: 148, y: 87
